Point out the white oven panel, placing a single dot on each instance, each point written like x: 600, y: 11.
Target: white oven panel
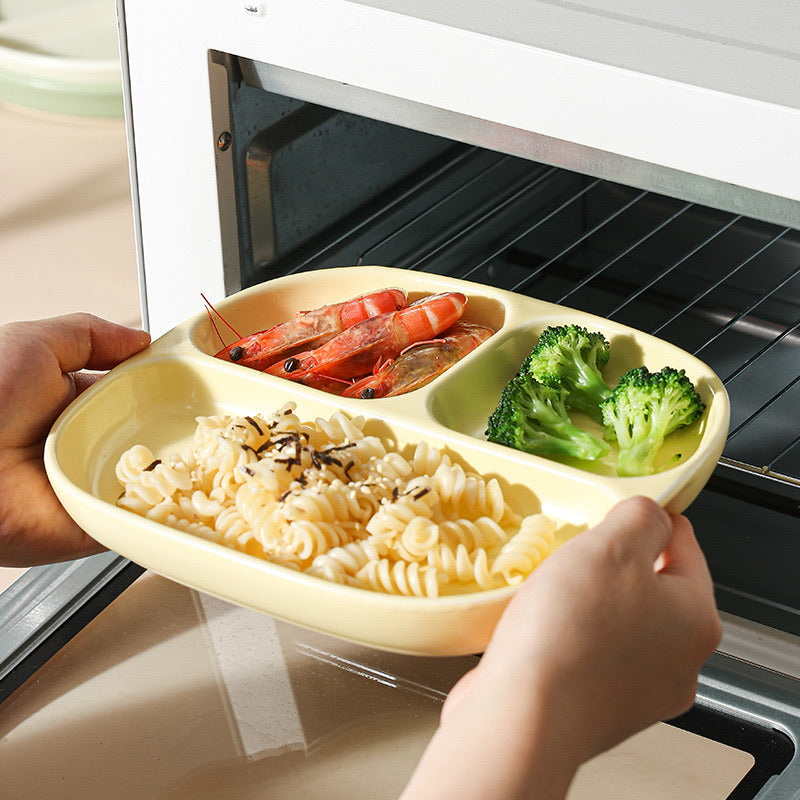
x: 676, y: 94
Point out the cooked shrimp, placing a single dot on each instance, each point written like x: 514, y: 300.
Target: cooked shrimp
x: 310, y: 329
x: 355, y: 351
x: 420, y: 363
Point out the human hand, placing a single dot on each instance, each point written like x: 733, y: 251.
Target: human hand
x: 616, y: 624
x: 606, y: 637
x: 40, y: 365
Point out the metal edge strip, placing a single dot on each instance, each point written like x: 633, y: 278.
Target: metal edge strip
x: 127, y: 101
x: 526, y: 144
x: 44, y: 608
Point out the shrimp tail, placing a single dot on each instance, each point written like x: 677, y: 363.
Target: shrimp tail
x: 420, y: 363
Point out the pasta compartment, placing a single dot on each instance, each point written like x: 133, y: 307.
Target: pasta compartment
x: 355, y: 501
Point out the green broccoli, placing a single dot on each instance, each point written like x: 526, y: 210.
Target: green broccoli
x: 571, y: 356
x: 644, y: 408
x: 532, y: 416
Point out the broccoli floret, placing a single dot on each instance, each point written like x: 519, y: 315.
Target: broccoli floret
x: 644, y: 408
x: 571, y: 356
x: 532, y: 416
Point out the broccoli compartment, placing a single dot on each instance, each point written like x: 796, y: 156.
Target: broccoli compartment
x: 563, y: 373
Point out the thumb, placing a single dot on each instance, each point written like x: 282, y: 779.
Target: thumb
x: 38, y: 362
x: 83, y: 341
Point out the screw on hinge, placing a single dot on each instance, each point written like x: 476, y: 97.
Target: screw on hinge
x: 224, y: 141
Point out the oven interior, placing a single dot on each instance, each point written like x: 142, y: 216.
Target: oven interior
x: 305, y: 186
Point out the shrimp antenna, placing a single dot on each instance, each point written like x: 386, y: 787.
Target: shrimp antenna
x: 209, y: 309
x: 214, y: 326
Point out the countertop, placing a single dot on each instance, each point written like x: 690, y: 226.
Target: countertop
x: 66, y: 224
x: 173, y: 695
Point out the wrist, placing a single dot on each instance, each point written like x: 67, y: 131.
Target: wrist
x: 497, y: 742
x: 539, y: 733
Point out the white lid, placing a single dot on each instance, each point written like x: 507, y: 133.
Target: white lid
x: 61, y: 55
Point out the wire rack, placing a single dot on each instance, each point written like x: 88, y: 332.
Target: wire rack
x: 721, y: 286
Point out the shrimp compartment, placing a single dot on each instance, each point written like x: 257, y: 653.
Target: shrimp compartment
x: 253, y: 313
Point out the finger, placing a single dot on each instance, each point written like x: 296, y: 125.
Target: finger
x: 38, y: 363
x: 34, y: 527
x: 83, y: 341
x: 682, y: 554
x: 459, y: 691
x: 83, y: 380
x: 685, y: 571
x: 636, y: 526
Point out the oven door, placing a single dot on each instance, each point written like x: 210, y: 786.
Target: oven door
x: 169, y: 693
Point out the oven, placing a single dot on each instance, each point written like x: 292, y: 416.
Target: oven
x: 634, y: 163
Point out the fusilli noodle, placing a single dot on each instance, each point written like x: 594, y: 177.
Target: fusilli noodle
x: 328, y: 499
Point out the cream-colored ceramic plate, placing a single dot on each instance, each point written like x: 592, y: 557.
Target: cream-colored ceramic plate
x: 153, y: 399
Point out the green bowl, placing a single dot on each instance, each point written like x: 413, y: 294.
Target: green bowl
x: 61, y: 57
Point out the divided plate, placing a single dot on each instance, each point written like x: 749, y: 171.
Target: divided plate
x: 154, y: 397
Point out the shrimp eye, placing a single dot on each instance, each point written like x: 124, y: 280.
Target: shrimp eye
x: 291, y: 364
x: 236, y: 353
x: 368, y: 393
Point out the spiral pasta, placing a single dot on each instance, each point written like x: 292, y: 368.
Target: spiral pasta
x: 328, y: 499
x: 525, y: 550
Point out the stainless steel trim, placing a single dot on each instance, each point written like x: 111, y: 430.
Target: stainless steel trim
x: 219, y: 79
x: 127, y: 103
x: 760, y: 697
x: 47, y: 605
x: 527, y: 144
x: 758, y: 644
x: 259, y: 174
